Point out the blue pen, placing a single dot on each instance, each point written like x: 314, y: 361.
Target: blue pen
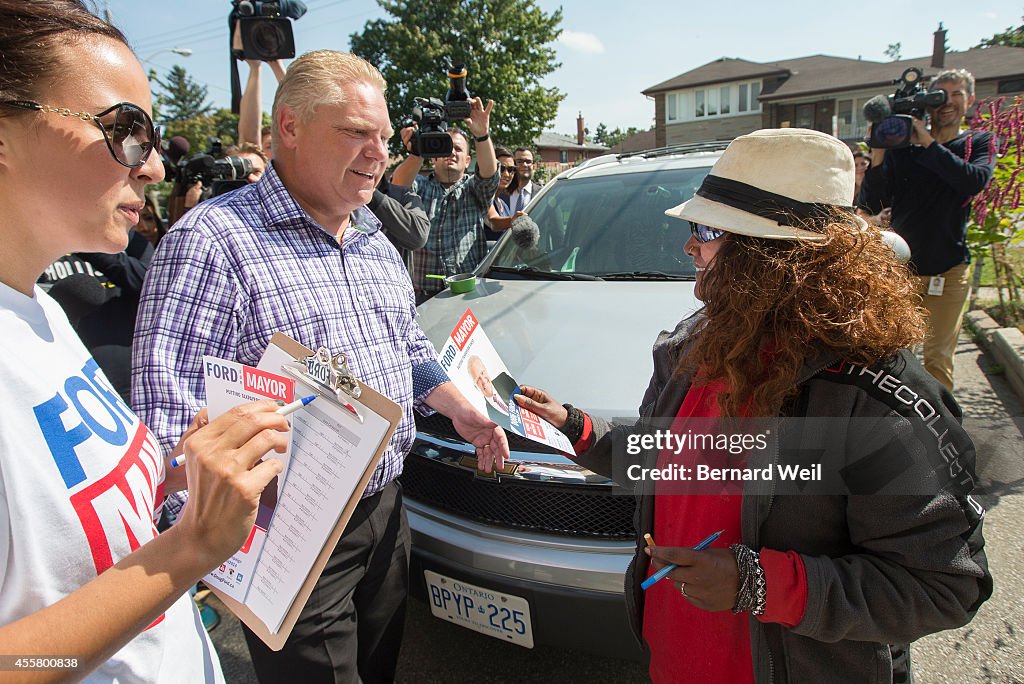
x: 661, y: 574
x: 285, y: 410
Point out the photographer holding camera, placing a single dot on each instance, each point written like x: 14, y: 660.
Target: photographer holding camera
x: 212, y: 173
x: 929, y: 185
x: 456, y: 203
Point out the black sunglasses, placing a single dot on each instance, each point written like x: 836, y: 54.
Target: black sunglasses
x: 702, y: 233
x: 508, y: 169
x: 130, y: 138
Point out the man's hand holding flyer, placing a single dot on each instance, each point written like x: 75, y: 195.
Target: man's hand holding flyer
x: 474, y: 366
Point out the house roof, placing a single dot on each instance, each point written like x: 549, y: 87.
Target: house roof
x: 721, y: 70
x: 549, y: 140
x: 820, y: 74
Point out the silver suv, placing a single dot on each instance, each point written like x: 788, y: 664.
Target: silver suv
x: 536, y: 554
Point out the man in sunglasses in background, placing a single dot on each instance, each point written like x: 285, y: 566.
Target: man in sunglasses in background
x: 528, y: 187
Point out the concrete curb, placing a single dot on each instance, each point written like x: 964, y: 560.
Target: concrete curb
x: 1006, y: 345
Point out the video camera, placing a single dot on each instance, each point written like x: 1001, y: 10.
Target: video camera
x: 266, y: 27
x: 892, y: 117
x: 430, y: 140
x: 217, y: 175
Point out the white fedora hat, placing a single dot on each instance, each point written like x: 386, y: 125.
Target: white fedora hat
x: 771, y: 182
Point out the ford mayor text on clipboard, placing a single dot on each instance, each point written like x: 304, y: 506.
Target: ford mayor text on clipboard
x: 336, y: 443
x: 473, y: 365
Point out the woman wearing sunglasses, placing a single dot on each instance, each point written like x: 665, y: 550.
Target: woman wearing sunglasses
x: 847, y: 525
x: 499, y: 216
x: 82, y: 573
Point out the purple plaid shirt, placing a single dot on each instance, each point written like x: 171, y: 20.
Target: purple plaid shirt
x: 244, y: 265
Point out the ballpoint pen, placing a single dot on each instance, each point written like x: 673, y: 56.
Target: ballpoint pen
x: 285, y: 410
x: 661, y: 574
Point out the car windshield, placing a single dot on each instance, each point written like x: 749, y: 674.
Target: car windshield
x: 609, y: 227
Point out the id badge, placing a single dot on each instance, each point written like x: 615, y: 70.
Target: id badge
x: 935, y: 285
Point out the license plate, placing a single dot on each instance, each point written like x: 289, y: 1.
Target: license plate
x: 489, y: 612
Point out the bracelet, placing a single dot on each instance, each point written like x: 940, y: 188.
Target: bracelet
x: 573, y: 428
x: 752, y: 594
x: 483, y: 138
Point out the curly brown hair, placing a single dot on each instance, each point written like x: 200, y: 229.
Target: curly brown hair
x: 769, y: 304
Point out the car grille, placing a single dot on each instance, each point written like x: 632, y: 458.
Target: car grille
x: 579, y: 510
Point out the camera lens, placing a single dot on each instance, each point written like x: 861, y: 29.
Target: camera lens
x: 268, y: 39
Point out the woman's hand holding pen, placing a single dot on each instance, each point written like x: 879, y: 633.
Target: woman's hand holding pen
x: 711, y: 576
x: 543, y: 404
x: 226, y: 476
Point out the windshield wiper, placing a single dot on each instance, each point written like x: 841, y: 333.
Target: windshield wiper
x: 645, y: 275
x: 550, y: 275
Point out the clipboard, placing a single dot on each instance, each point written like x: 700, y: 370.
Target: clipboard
x: 368, y: 400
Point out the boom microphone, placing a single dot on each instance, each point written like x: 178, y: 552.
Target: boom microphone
x: 78, y: 294
x: 877, y: 108
x: 176, y: 148
x: 525, y: 232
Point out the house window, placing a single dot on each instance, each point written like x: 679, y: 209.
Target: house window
x: 698, y: 108
x: 804, y: 116
x: 563, y: 156
x: 712, y: 96
x: 1011, y: 85
x: 755, y: 92
x: 725, y: 95
x: 671, y: 107
x: 844, y: 119
x: 743, y: 98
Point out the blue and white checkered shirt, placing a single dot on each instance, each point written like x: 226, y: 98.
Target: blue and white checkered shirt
x: 457, y: 241
x: 244, y: 265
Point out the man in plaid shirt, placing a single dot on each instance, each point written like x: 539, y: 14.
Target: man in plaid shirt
x: 455, y: 202
x: 300, y: 253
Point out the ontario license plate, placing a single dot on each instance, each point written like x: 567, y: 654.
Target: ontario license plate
x: 493, y: 613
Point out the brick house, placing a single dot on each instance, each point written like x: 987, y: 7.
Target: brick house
x: 729, y: 97
x: 557, y: 152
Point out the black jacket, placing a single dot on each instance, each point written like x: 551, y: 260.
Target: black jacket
x: 882, y: 568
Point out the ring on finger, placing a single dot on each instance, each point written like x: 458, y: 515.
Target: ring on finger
x: 682, y: 589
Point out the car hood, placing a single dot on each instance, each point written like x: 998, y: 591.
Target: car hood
x: 587, y: 343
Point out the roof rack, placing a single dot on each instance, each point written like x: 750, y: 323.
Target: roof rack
x: 708, y: 146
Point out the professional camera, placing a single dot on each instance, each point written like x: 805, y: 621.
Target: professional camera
x: 217, y: 175
x: 432, y: 117
x: 266, y: 27
x: 893, y: 117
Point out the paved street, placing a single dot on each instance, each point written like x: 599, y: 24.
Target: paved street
x: 990, y: 649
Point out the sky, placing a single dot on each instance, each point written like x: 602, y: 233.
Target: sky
x: 609, y: 50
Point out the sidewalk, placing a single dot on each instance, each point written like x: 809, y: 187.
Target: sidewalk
x: 991, y: 647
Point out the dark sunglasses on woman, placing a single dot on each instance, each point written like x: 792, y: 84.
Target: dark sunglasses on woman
x: 130, y: 137
x: 702, y: 233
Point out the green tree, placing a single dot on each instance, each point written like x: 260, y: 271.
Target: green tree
x: 505, y: 45
x: 618, y: 135
x: 199, y: 129
x: 601, y: 136
x: 178, y: 97
x: 1013, y: 37
x: 893, y: 51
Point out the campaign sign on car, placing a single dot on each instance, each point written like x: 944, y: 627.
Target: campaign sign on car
x: 502, y: 616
